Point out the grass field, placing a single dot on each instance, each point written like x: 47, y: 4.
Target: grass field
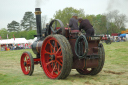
x: 114, y: 72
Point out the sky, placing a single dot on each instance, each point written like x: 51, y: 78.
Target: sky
x: 15, y: 9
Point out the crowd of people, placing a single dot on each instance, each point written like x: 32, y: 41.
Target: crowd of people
x: 7, y: 47
x: 118, y: 39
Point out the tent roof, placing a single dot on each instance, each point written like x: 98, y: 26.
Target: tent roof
x: 16, y: 41
x: 19, y: 40
x: 6, y: 41
x: 123, y: 35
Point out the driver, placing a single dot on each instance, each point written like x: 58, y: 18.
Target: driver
x: 73, y: 23
x: 86, y: 26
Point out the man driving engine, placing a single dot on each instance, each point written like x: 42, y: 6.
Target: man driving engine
x: 86, y: 26
x: 73, y: 23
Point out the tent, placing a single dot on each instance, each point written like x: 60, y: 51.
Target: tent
x: 122, y: 35
x: 19, y: 40
x: 6, y: 41
x: 12, y: 41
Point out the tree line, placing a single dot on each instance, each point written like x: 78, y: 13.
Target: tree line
x: 4, y: 34
x: 112, y: 21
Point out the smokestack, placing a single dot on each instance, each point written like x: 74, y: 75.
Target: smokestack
x: 38, y: 22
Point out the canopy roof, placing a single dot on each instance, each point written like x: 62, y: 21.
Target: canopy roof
x: 12, y: 41
x: 122, y: 35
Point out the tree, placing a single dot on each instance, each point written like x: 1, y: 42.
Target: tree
x: 3, y: 33
x: 65, y: 14
x: 98, y: 22
x: 13, y: 26
x: 43, y: 21
x: 117, y: 20
x: 101, y: 24
x: 28, y: 22
x: 30, y: 34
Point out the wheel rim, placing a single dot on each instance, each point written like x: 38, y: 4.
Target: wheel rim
x: 55, y: 29
x: 51, y: 57
x: 25, y: 63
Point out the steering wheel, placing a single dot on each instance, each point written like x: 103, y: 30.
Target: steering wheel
x: 53, y: 29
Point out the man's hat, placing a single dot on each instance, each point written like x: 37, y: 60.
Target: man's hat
x: 75, y: 14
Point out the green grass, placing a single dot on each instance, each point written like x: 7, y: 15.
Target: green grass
x: 115, y: 71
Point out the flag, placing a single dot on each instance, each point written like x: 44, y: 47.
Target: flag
x: 7, y: 36
x: 13, y: 36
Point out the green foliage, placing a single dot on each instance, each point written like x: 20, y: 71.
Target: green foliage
x: 98, y: 22
x: 21, y: 34
x: 30, y: 34
x: 114, y: 23
x: 28, y: 22
x: 13, y: 26
x: 65, y: 14
x: 3, y: 33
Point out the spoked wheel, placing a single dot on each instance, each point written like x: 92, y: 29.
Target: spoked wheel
x: 94, y: 71
x: 56, y: 27
x: 27, y: 63
x: 56, y: 57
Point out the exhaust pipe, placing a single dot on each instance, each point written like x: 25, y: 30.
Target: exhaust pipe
x: 38, y: 22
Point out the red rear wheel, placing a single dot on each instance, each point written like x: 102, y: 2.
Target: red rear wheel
x: 55, y: 57
x: 27, y: 63
x: 94, y: 71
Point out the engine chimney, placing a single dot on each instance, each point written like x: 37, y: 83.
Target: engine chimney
x: 38, y: 22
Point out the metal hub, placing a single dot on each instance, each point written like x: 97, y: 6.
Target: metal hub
x: 53, y: 57
x: 25, y: 63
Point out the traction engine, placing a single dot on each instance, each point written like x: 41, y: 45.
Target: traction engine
x: 59, y: 49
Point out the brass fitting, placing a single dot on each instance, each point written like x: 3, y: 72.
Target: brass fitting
x: 37, y: 12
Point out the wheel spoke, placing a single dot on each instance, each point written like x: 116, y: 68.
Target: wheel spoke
x: 53, y: 47
x: 46, y: 52
x: 53, y: 69
x: 28, y: 61
x: 26, y: 58
x: 58, y: 69
x: 50, y: 45
x: 58, y: 62
x: 59, y: 56
x: 52, y: 64
x: 56, y: 45
x: 58, y: 50
x: 49, y: 62
x: 59, y: 53
x: 61, y: 61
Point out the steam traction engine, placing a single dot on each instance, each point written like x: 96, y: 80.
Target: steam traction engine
x: 59, y: 50
x: 106, y: 39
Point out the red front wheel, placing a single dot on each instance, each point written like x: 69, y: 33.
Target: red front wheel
x: 56, y: 58
x: 27, y: 63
